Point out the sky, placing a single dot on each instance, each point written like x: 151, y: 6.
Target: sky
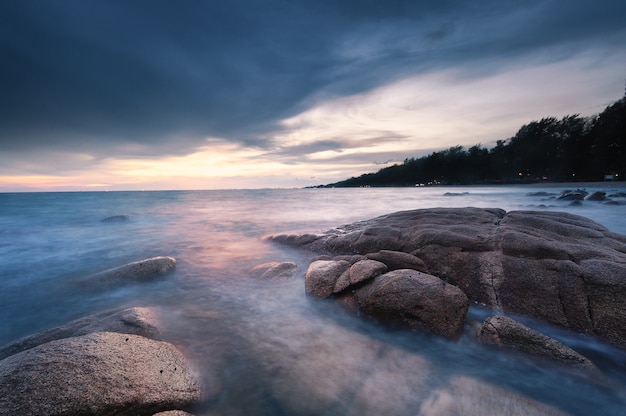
x: 152, y: 94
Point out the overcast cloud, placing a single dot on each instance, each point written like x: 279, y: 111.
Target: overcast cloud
x: 107, y: 79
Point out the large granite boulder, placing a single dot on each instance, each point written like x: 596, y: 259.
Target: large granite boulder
x: 558, y: 267
x: 97, y: 374
x: 505, y: 332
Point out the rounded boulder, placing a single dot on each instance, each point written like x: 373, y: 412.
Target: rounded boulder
x: 99, y: 373
x: 416, y: 300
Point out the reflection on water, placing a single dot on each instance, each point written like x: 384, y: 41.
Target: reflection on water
x: 263, y: 345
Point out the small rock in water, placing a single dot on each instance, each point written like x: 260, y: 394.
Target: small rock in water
x: 569, y: 195
x: 117, y: 218
x: 274, y: 270
x: 505, y: 332
x: 596, y: 196
x: 137, y: 270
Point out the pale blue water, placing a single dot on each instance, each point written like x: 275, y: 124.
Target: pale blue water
x: 50, y: 240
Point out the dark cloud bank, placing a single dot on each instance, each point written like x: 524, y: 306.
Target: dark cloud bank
x: 157, y: 77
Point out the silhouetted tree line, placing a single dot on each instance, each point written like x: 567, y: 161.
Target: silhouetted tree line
x: 572, y: 148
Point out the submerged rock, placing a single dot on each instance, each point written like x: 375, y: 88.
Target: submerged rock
x: 274, y: 270
x: 596, y: 196
x: 569, y: 195
x: 327, y: 368
x: 562, y: 268
x: 505, y: 332
x: 464, y: 395
x: 97, y: 374
x: 138, y: 321
x: 138, y: 270
x: 117, y: 218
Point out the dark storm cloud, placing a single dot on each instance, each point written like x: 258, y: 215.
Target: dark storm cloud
x: 130, y: 77
x: 335, y: 144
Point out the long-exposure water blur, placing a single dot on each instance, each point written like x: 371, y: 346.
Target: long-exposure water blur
x: 255, y: 334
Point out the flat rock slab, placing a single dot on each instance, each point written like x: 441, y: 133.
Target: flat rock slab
x: 97, y: 374
x: 137, y: 320
x: 558, y: 267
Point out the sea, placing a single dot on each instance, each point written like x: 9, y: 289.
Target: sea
x: 218, y: 313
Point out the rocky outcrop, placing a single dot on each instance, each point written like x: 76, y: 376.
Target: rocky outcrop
x: 505, y: 332
x: 139, y: 321
x: 562, y: 268
x: 138, y: 270
x: 96, y: 374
